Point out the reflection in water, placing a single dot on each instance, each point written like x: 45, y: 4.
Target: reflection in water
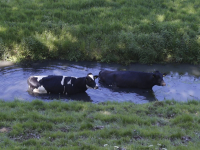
x: 182, y: 81
x: 142, y: 93
x: 78, y: 97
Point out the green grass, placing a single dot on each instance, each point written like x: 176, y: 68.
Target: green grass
x: 83, y: 125
x: 121, y: 31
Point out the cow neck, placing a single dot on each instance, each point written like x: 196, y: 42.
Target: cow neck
x: 154, y: 81
x: 150, y: 82
x: 80, y: 82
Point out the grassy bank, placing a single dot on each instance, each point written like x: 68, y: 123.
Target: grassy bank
x: 78, y: 125
x: 121, y: 31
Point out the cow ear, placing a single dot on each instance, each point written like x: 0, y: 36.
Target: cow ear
x: 154, y: 75
x: 164, y: 74
x: 96, y: 76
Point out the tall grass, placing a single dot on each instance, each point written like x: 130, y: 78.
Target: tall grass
x: 121, y: 31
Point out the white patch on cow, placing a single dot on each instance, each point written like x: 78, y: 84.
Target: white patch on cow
x: 40, y: 89
x: 63, y: 79
x: 39, y: 77
x: 72, y: 84
x: 88, y: 87
x: 69, y: 82
x: 66, y: 93
x: 91, y: 87
x: 91, y: 76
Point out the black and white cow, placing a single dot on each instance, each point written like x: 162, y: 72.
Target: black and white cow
x: 61, y: 84
x: 132, y: 79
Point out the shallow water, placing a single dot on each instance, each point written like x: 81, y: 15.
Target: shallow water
x: 183, y: 82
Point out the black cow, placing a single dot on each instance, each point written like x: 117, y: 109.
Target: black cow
x: 61, y: 84
x: 132, y: 79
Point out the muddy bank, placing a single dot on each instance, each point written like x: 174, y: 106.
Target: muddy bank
x: 6, y: 63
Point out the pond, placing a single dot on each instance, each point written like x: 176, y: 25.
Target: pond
x: 183, y: 82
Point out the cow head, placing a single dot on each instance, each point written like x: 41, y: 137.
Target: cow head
x: 90, y: 81
x: 158, y: 77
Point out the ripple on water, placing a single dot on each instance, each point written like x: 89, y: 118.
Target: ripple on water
x: 182, y: 81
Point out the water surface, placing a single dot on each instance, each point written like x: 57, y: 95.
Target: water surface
x: 183, y: 82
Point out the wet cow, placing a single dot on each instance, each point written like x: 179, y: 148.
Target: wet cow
x: 61, y: 84
x: 132, y: 79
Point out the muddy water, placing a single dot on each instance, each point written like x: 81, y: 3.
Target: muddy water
x: 183, y: 82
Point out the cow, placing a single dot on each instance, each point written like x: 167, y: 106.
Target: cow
x: 61, y: 84
x: 131, y: 79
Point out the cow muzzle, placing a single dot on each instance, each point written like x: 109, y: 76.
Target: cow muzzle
x: 96, y: 87
x: 163, y: 83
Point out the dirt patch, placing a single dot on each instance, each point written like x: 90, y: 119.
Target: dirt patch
x: 6, y: 63
x: 186, y: 139
x: 5, y: 129
x: 98, y: 128
x: 64, y: 129
x: 137, y: 137
x: 26, y: 136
